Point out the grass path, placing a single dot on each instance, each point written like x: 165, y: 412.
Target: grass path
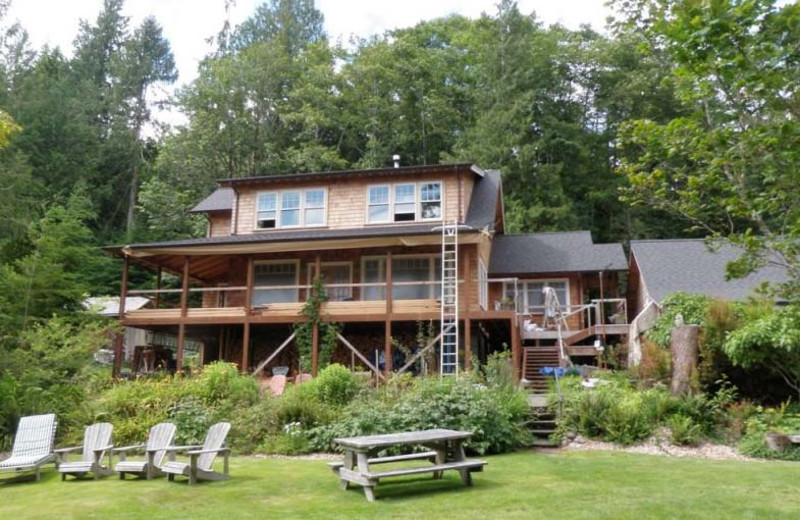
x: 526, y: 485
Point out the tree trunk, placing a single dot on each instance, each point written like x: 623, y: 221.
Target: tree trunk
x: 684, y: 346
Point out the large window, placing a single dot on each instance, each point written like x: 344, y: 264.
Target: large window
x: 335, y: 273
x: 405, y: 269
x: 291, y: 208
x: 404, y: 202
x: 378, y: 204
x: 431, y: 200
x: 531, y: 297
x: 267, y: 210
x: 314, y: 208
x: 275, y: 274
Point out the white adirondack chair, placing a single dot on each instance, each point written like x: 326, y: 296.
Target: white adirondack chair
x: 201, y: 458
x: 159, y: 439
x: 33, y: 445
x: 96, y: 442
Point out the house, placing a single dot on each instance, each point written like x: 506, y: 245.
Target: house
x: 378, y: 238
x: 659, y: 268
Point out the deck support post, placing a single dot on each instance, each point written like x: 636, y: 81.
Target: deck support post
x: 184, y: 311
x: 119, y: 343
x: 315, y: 326
x: 515, y: 347
x: 248, y: 301
x: 465, y: 307
x: 245, y: 348
x: 387, y: 341
x: 158, y: 288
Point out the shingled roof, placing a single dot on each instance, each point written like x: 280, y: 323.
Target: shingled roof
x: 484, y: 201
x: 688, y: 265
x: 294, y: 235
x: 220, y: 200
x: 571, y: 251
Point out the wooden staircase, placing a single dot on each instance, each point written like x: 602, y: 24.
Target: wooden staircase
x: 533, y: 359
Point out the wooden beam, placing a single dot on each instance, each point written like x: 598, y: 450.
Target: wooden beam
x: 245, y: 348
x: 181, y: 340
x: 119, y: 345
x: 261, y: 366
x: 515, y: 347
x: 467, y: 343
x: 467, y: 298
x: 314, y: 349
x: 158, y: 287
x: 185, y: 287
x: 315, y: 327
x: 360, y: 356
x: 419, y: 354
x: 387, y: 340
x: 184, y: 307
x: 248, y: 292
x: 387, y: 347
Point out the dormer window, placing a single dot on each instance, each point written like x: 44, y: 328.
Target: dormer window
x: 431, y: 200
x: 291, y: 208
x: 404, y: 202
x: 378, y: 204
x: 267, y: 210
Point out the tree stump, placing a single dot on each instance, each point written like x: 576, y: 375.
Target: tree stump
x: 685, y: 350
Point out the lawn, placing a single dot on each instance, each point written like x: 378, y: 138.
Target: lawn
x: 529, y: 485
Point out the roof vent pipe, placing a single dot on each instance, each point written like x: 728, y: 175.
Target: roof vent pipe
x: 396, y: 159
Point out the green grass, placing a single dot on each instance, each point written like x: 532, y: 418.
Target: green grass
x: 526, y: 485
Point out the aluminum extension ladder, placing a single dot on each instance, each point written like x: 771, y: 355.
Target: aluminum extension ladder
x: 448, y: 349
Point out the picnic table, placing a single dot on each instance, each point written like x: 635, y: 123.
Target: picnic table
x: 445, y: 451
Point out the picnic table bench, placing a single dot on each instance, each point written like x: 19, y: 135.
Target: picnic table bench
x: 445, y: 452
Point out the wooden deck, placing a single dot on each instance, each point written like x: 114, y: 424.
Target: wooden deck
x: 353, y: 311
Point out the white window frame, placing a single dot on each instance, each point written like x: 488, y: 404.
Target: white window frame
x: 301, y: 208
x: 382, y: 270
x: 523, y: 288
x: 277, y: 208
x: 417, y: 201
x: 415, y: 188
x: 324, y: 207
x: 441, y: 201
x: 349, y: 265
x: 483, y: 285
x: 389, y: 203
x: 295, y: 262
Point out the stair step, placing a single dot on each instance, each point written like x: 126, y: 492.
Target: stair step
x: 544, y: 443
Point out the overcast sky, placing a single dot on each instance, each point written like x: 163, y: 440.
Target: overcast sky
x: 189, y: 23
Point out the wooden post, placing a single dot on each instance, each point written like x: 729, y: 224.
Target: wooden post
x: 515, y: 347
x: 684, y: 346
x: 315, y: 328
x: 248, y: 302
x: 158, y: 288
x: 387, y: 340
x: 248, y: 293
x: 184, y: 312
x: 467, y: 299
x: 245, y: 348
x: 119, y: 344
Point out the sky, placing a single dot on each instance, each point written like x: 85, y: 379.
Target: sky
x: 189, y: 23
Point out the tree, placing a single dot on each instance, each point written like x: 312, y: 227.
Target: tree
x: 58, y: 272
x: 729, y: 166
x: 293, y: 24
x: 146, y: 59
x: 769, y: 339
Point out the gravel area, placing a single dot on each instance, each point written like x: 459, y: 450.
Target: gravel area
x: 659, y: 445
